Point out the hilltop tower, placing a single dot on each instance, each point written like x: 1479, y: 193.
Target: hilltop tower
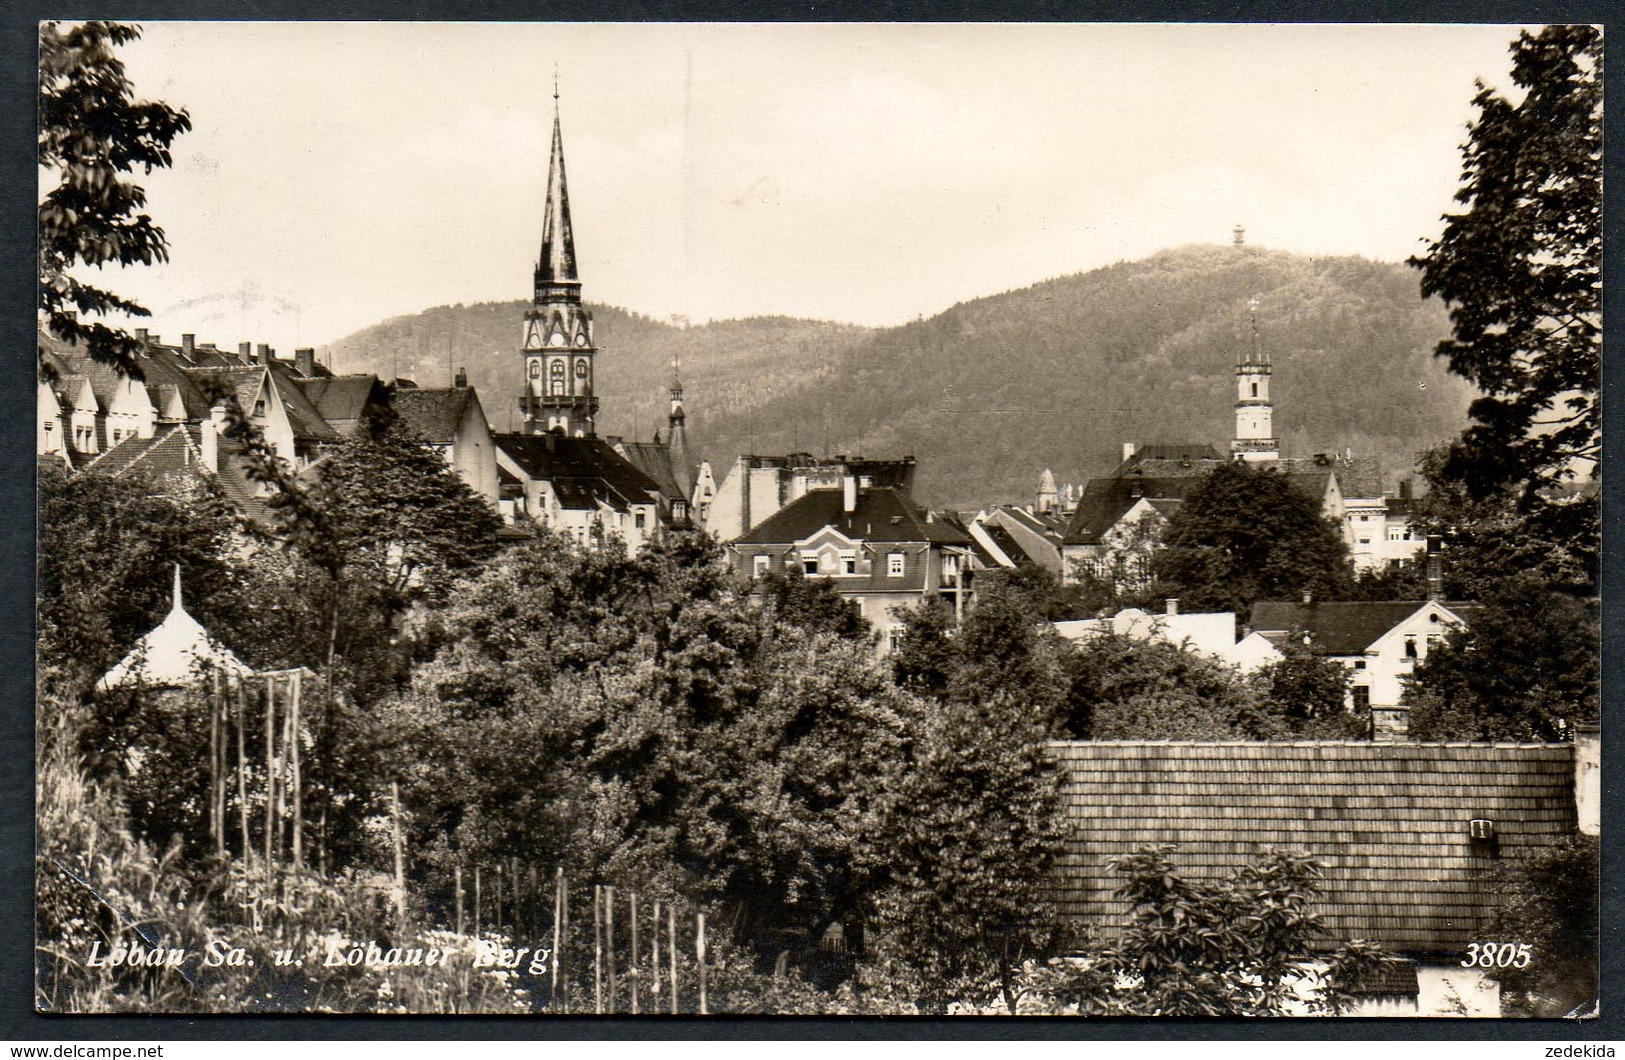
x: 558, y: 341
x: 1255, y: 439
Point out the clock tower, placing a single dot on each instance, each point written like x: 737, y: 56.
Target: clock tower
x: 558, y: 346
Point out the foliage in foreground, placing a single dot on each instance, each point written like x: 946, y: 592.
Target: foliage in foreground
x: 1234, y: 947
x: 1551, y: 902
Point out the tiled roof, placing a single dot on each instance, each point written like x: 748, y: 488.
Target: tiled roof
x: 1105, y: 500
x: 308, y: 424
x: 1342, y: 627
x: 1389, y: 820
x: 654, y: 460
x: 881, y: 514
x: 584, y: 469
x: 1008, y: 545
x: 340, y: 399
x: 170, y: 449
x: 1176, y: 453
x: 433, y: 414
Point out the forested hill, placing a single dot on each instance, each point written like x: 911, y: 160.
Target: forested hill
x: 990, y: 392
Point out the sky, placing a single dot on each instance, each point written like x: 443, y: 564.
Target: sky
x: 338, y: 174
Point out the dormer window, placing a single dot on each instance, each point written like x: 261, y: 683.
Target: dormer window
x: 259, y: 408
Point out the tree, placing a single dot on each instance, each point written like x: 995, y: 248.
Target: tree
x: 91, y: 130
x: 1249, y: 534
x: 968, y: 840
x: 1551, y: 902
x: 1235, y: 947
x: 1557, y: 540
x: 1520, y: 269
x: 1527, y: 668
x: 1308, y: 696
x: 1126, y: 689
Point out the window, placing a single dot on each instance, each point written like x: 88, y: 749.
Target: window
x: 679, y: 510
x: 894, y: 637
x: 1365, y: 541
x: 1362, y: 697
x: 1255, y: 390
x: 1359, y: 664
x: 1410, y: 646
x: 894, y: 565
x: 555, y: 378
x: 950, y: 566
x: 1365, y: 518
x: 809, y: 563
x: 639, y: 519
x: 259, y: 407
x: 1433, y: 640
x: 849, y: 562
x: 758, y: 566
x: 1395, y: 534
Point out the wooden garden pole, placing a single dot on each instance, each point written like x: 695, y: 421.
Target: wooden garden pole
x: 270, y: 776
x: 496, y: 898
x: 242, y: 771
x: 632, y: 975
x: 477, y: 901
x: 609, y: 943
x: 214, y: 766
x: 400, y: 854
x: 284, y: 826
x: 699, y: 955
x: 457, y: 884
x: 296, y: 688
x: 671, y: 951
x: 654, y: 958
x: 564, y: 916
x: 558, y: 926
x: 597, y: 949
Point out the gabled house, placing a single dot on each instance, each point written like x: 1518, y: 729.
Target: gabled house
x: 875, y: 545
x: 1380, y: 642
x: 1035, y: 536
x: 452, y: 423
x: 1409, y: 834
x: 578, y: 485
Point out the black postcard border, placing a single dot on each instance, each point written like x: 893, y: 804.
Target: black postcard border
x: 18, y: 183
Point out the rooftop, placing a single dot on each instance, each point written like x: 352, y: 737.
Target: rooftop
x: 1389, y: 820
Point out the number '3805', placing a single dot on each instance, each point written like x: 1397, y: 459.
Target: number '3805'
x: 1497, y: 955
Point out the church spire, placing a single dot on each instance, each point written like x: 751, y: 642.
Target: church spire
x: 559, y: 352
x: 557, y: 264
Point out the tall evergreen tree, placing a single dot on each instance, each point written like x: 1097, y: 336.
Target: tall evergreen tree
x: 1521, y: 269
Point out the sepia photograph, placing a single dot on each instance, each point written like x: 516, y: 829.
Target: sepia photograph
x: 1087, y: 520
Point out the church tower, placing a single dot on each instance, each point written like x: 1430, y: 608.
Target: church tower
x: 677, y: 436
x: 558, y: 342
x: 1255, y: 439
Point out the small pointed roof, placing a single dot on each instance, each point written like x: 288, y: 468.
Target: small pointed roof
x: 1046, y: 481
x: 558, y: 261
x: 176, y: 654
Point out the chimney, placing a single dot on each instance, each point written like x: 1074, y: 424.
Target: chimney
x: 1435, y: 568
x: 304, y: 361
x: 1588, y: 777
x: 188, y: 344
x: 210, y: 430
x: 1171, y: 606
x: 262, y: 353
x: 245, y: 350
x: 1405, y: 489
x: 1128, y: 450
x: 849, y: 493
x: 461, y: 380
x: 1308, y: 598
x: 141, y: 335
